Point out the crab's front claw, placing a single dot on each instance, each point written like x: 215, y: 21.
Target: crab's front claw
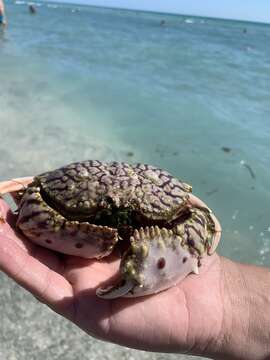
x: 122, y: 288
x: 156, y: 261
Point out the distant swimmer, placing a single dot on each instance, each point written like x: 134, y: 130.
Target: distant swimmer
x: 244, y: 30
x: 162, y: 23
x: 3, y: 21
x: 32, y: 9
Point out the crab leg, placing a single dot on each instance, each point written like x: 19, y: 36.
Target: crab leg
x: 194, y: 201
x: 15, y: 185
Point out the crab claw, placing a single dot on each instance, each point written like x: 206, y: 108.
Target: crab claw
x: 156, y: 261
x: 122, y: 288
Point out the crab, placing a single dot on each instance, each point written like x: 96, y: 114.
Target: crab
x: 89, y: 208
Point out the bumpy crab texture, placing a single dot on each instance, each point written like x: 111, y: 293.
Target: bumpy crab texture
x: 86, y: 208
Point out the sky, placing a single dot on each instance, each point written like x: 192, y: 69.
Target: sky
x: 252, y: 10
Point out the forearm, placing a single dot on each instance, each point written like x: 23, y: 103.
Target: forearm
x: 245, y: 331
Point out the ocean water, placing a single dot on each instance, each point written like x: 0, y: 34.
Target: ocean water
x: 190, y: 96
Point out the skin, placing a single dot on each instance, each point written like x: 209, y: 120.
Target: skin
x: 219, y: 313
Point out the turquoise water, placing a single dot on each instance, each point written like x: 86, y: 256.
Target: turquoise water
x: 80, y: 82
x: 191, y: 96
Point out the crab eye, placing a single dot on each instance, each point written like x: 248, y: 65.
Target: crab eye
x: 161, y: 263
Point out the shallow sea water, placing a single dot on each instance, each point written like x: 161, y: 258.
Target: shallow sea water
x: 191, y: 96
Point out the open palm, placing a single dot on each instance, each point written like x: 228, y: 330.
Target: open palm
x: 185, y: 318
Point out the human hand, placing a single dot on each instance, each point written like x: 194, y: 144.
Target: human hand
x: 185, y: 318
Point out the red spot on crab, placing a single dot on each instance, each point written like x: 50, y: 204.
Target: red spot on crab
x: 161, y: 263
x: 79, y: 245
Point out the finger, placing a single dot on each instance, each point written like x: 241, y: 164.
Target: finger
x: 14, y: 185
x: 8, y: 227
x: 6, y: 214
x: 196, y: 201
x: 90, y: 273
x: 29, y: 272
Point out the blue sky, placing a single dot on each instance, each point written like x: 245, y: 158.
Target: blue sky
x: 254, y: 10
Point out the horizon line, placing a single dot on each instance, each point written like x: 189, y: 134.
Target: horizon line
x: 156, y: 12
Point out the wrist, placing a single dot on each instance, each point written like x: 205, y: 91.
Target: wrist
x: 246, y: 313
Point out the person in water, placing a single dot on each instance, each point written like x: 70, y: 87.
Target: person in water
x: 223, y: 313
x: 32, y: 9
x: 3, y: 21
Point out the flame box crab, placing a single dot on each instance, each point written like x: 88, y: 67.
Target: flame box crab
x: 87, y: 208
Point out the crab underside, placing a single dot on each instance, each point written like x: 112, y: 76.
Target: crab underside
x: 88, y: 208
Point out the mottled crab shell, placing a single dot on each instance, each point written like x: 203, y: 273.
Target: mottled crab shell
x: 59, y: 208
x: 77, y: 210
